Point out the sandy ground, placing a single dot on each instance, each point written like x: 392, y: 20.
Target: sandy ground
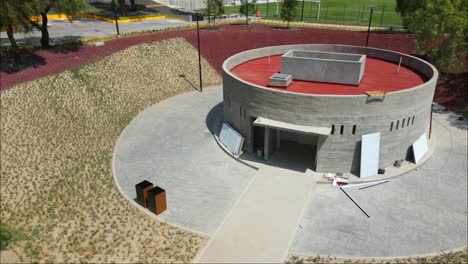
x: 57, y: 138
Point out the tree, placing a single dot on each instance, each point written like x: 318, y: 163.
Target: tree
x: 15, y: 14
x: 441, y: 30
x: 247, y: 8
x: 214, y: 8
x: 71, y: 8
x: 289, y: 10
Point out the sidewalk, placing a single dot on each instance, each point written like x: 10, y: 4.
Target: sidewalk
x: 262, y: 224
x: 83, y: 28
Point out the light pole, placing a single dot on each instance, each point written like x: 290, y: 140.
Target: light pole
x: 199, y: 53
x: 318, y: 11
x: 115, y: 18
x: 370, y: 21
x: 302, y: 12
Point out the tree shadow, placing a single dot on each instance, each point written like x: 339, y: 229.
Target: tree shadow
x: 16, y: 62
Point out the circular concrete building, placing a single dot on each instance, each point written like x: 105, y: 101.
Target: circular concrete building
x: 351, y: 109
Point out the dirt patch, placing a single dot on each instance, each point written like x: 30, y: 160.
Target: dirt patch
x: 58, y: 135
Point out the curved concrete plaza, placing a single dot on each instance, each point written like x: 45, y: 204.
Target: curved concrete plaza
x: 264, y: 214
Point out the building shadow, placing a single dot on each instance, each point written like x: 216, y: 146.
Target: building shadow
x: 214, y: 119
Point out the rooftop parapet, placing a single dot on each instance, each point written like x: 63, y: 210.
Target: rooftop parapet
x: 329, y: 67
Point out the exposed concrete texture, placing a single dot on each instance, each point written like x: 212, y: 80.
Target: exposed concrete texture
x: 262, y: 224
x: 324, y: 66
x: 422, y: 212
x: 347, y: 113
x: 171, y: 145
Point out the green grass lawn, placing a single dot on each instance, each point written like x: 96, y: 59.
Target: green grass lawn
x: 349, y: 12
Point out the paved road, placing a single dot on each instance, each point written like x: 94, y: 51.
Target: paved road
x: 63, y: 30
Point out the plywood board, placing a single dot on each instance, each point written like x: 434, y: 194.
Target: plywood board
x: 231, y: 139
x: 370, y: 148
x: 420, y: 147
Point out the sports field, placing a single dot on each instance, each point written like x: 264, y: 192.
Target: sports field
x: 349, y: 12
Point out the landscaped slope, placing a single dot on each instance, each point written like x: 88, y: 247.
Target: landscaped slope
x: 57, y: 138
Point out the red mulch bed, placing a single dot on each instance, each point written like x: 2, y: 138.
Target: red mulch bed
x: 216, y: 46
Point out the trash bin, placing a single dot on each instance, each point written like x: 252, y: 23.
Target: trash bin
x: 142, y: 189
x: 259, y: 152
x: 157, y: 200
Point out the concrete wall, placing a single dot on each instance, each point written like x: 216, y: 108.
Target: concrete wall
x: 323, y: 66
x: 337, y: 152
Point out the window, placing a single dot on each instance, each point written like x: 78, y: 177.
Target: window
x: 403, y: 123
x: 391, y: 126
x: 333, y: 130
x: 341, y: 129
x: 407, y: 123
x: 354, y: 129
x: 412, y: 122
x: 397, y: 124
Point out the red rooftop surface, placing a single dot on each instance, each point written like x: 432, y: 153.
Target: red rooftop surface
x: 378, y: 75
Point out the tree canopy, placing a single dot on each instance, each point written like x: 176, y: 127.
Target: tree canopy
x: 15, y: 15
x: 247, y: 8
x: 214, y: 8
x: 289, y: 10
x: 441, y: 30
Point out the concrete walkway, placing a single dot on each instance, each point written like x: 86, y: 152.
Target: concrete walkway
x: 261, y: 215
x: 419, y: 213
x: 262, y: 224
x: 171, y: 144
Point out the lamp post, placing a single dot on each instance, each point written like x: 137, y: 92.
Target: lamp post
x: 302, y: 12
x: 318, y: 11
x: 370, y: 21
x: 199, y: 53
x: 115, y: 18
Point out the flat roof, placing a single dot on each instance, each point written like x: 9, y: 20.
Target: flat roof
x: 378, y: 75
x: 265, y: 122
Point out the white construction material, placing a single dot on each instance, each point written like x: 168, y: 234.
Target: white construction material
x: 420, y: 147
x: 231, y: 139
x: 370, y: 147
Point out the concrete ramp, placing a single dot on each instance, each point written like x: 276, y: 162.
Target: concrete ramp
x: 262, y: 224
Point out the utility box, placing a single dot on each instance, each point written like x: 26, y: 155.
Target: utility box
x: 157, y: 200
x: 142, y: 189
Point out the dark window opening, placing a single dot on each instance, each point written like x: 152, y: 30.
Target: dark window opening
x: 397, y: 124
x: 354, y: 129
x: 391, y: 126
x: 341, y: 129
x: 403, y: 123
x: 407, y: 123
x: 412, y: 122
x: 333, y: 130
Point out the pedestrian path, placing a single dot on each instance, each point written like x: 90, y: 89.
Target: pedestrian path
x: 262, y: 224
